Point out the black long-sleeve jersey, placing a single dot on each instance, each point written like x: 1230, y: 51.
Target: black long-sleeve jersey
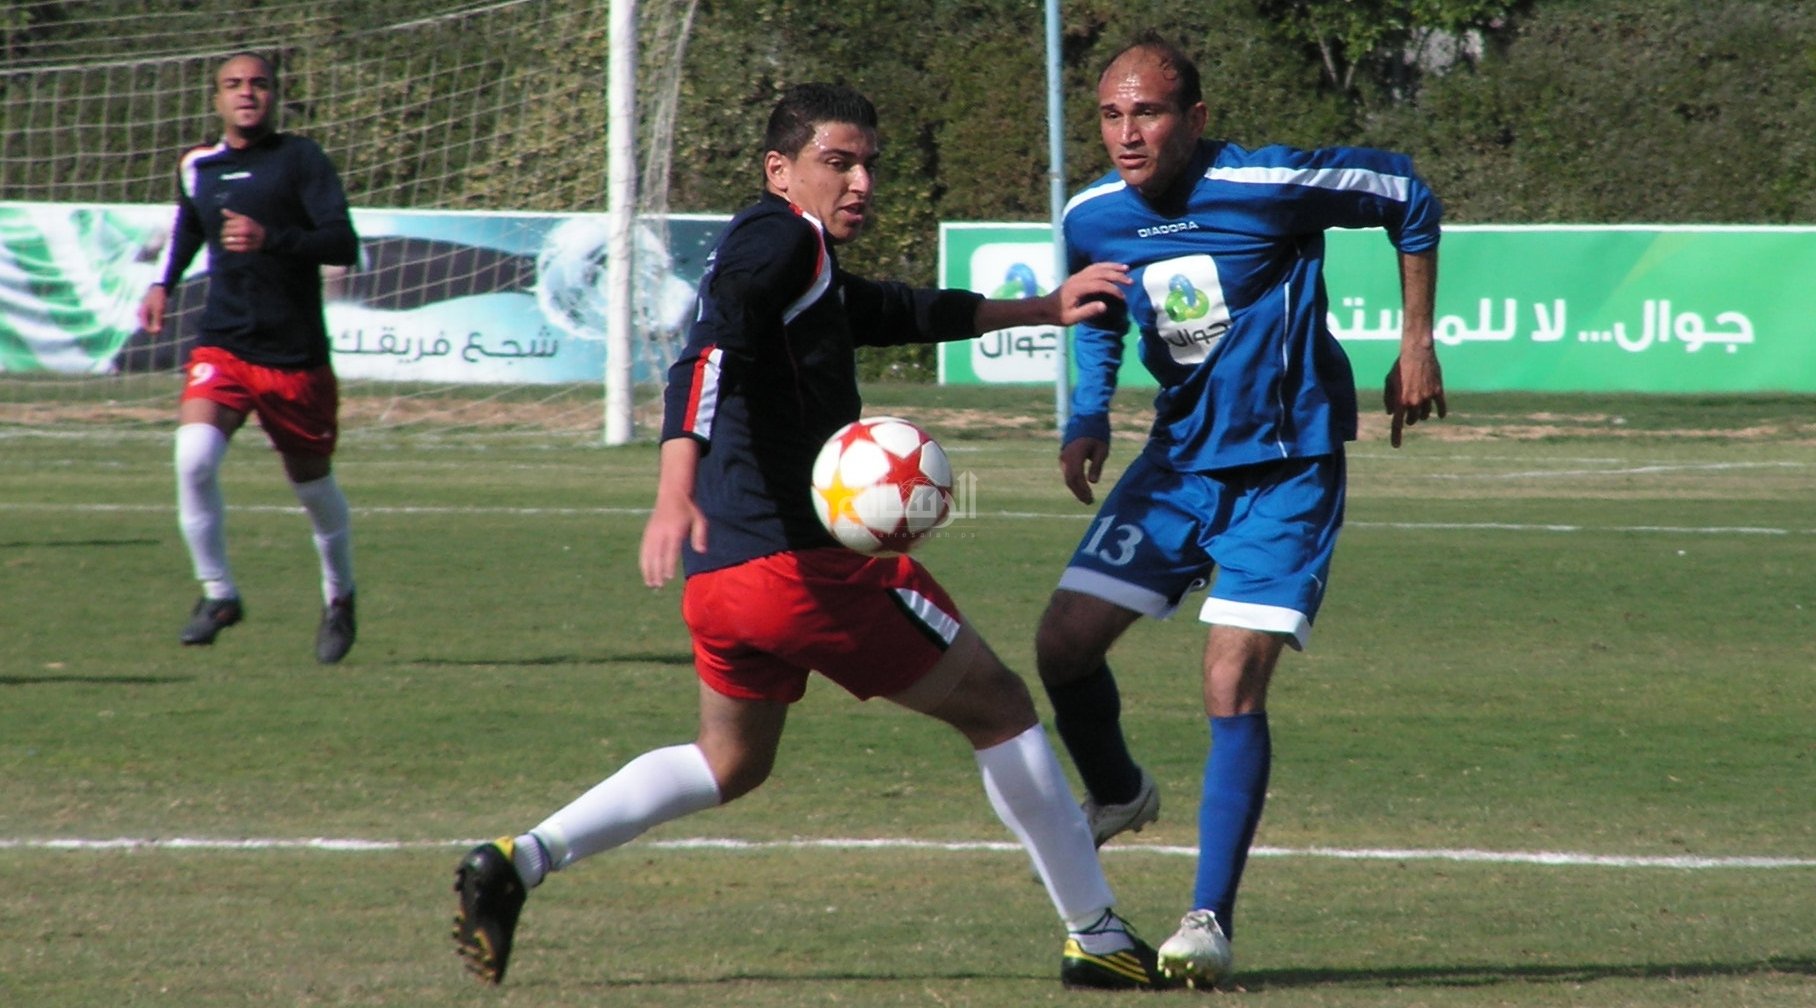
x: 265, y: 306
x: 769, y: 373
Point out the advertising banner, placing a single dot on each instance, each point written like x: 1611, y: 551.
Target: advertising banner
x: 436, y: 296
x: 1566, y: 309
x: 1007, y: 261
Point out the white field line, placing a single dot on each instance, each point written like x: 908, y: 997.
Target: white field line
x: 1562, y: 859
x: 1643, y: 470
x: 539, y: 512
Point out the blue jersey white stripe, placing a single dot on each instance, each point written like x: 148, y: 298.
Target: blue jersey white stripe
x: 1101, y: 189
x: 1393, y: 187
x: 1228, y: 299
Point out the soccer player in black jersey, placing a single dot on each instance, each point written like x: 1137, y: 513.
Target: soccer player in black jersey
x: 269, y: 208
x: 766, y: 376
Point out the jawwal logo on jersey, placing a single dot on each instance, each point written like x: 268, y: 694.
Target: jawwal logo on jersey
x: 1190, y: 314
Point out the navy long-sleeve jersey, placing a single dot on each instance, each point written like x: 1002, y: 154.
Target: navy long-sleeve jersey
x: 265, y: 307
x: 769, y: 373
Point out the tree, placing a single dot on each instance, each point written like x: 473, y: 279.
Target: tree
x: 1388, y: 43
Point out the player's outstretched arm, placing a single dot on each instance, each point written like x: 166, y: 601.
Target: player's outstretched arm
x: 674, y: 520
x: 1415, y: 382
x: 1084, y: 295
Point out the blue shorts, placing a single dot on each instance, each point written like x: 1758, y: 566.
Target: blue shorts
x: 1266, y: 531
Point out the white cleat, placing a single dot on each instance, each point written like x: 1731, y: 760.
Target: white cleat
x: 1108, y: 820
x: 1198, y: 952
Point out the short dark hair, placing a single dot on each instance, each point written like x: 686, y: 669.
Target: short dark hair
x: 1173, y: 60
x: 270, y: 64
x: 804, y: 107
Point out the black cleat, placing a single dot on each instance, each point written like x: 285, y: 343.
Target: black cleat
x: 491, y: 897
x: 1130, y: 969
x: 209, y: 618
x: 335, y: 636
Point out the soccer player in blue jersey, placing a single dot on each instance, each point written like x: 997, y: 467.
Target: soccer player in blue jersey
x: 269, y: 208
x: 1241, y: 483
x: 766, y: 376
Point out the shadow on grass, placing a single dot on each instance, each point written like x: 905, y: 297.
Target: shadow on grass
x: 1489, y: 975
x: 80, y: 543
x: 533, y: 661
x: 94, y: 680
x: 1261, y: 980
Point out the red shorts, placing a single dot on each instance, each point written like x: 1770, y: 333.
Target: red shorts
x: 874, y: 625
x: 298, y: 407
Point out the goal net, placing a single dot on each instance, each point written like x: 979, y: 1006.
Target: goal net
x: 471, y: 141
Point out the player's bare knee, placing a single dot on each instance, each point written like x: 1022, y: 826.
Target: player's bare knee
x: 985, y: 702
x: 737, y: 772
x: 307, y: 468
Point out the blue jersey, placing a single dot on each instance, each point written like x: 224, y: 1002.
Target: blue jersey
x: 1229, y: 299
x: 264, y: 307
x: 769, y: 372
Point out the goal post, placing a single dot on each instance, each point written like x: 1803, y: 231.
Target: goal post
x: 621, y: 206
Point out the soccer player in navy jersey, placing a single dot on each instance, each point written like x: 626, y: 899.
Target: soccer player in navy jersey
x: 269, y: 208
x: 766, y: 376
x: 1241, y: 482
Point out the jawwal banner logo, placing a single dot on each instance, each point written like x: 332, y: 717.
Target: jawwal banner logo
x: 1569, y: 309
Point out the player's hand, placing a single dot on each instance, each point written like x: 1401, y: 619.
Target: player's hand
x: 151, y: 309
x: 673, y: 522
x: 240, y: 233
x: 1088, y: 293
x: 1081, y: 464
x: 1415, y: 385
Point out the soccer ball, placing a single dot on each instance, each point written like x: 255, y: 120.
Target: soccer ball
x: 880, y: 485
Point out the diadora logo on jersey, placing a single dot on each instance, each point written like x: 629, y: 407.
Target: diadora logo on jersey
x: 1190, y: 314
x: 1166, y: 229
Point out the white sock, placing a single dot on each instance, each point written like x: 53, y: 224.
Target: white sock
x: 1108, y: 933
x: 201, y: 511
x: 658, y: 786
x: 1030, y: 795
x: 530, y: 859
x: 331, y: 519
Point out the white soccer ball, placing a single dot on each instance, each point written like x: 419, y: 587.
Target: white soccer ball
x: 881, y: 484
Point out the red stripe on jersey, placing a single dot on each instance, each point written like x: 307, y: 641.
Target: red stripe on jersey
x: 703, y: 393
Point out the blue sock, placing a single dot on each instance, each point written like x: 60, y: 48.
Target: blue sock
x: 1235, y: 788
x: 1087, y: 714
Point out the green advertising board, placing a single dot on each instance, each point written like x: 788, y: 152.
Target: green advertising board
x: 1565, y: 309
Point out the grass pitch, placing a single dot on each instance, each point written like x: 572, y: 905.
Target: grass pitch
x: 1574, y: 625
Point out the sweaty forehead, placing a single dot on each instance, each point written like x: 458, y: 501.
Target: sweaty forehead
x: 1137, y: 76
x: 844, y: 138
